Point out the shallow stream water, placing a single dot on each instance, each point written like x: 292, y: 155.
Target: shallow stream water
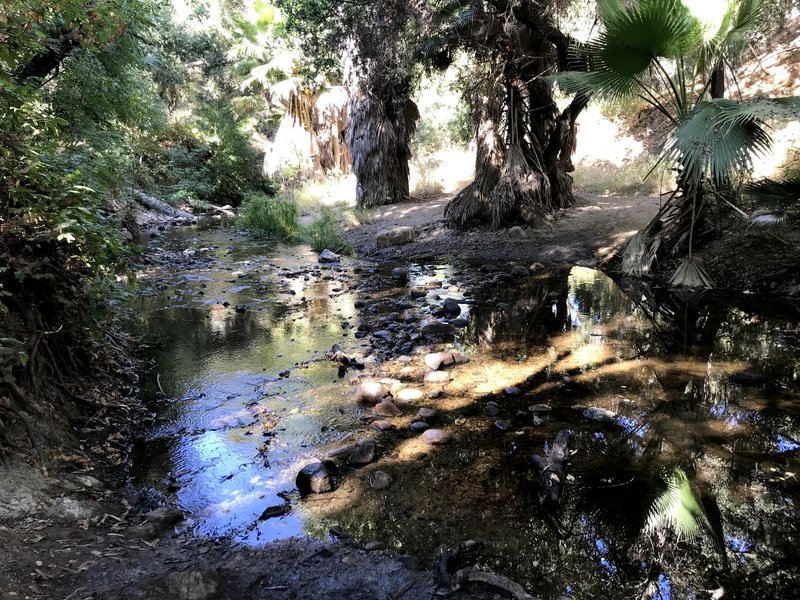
x: 681, y: 409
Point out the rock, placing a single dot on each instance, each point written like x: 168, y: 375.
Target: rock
x: 378, y: 480
x: 512, y: 390
x: 451, y: 306
x: 386, y: 408
x: 374, y: 546
x: 409, y: 395
x: 364, y: 452
x: 418, y: 292
x: 327, y: 257
x: 426, y: 414
x: 539, y: 408
x: 371, y: 392
x: 488, y: 268
x: 437, y: 377
x: 165, y: 517
x: 517, y: 233
x: 275, y: 511
x: 433, y: 395
x: 192, y: 585
x: 396, y: 236
x: 537, y: 421
x: 553, y: 469
x: 491, y: 409
x: 519, y: 271
x: 240, y: 308
x: 74, y: 510
x: 503, y: 425
x: 436, y: 437
x: 382, y: 425
x: 537, y: 266
x: 400, y: 274
x: 595, y: 413
x: 436, y: 328
x: 386, y: 336
x: 419, y: 426
x: 438, y: 359
x: 315, y: 478
x: 459, y: 323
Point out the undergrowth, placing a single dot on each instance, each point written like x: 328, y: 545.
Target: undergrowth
x: 274, y: 218
x: 633, y: 178
x: 324, y: 234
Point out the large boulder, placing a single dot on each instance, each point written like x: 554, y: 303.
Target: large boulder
x: 396, y: 236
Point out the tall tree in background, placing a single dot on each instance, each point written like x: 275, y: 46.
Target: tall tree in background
x: 371, y: 45
x: 524, y: 142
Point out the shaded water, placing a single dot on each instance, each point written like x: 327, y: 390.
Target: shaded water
x: 683, y: 486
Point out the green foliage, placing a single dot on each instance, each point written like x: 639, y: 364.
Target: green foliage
x: 267, y: 217
x: 324, y: 234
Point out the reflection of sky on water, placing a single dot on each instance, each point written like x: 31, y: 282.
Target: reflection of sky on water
x: 786, y: 445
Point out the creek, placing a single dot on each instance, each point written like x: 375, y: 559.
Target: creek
x: 681, y: 411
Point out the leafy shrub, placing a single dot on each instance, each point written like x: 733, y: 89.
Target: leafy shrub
x: 269, y: 217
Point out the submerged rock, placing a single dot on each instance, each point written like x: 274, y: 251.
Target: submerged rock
x: 539, y: 408
x: 315, y: 478
x: 595, y: 413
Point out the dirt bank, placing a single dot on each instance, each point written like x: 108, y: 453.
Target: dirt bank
x: 591, y: 231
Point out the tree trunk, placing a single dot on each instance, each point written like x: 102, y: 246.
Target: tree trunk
x: 379, y: 136
x: 524, y: 145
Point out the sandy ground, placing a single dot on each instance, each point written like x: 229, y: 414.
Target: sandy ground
x: 592, y: 231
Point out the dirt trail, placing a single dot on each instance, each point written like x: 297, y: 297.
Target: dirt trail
x: 591, y: 231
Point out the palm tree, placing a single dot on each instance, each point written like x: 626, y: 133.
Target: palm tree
x: 524, y: 142
x: 268, y: 65
x: 675, y: 61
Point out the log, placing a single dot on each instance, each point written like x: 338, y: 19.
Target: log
x: 160, y: 206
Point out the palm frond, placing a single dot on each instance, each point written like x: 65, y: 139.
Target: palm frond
x: 783, y: 193
x: 691, y: 274
x: 619, y: 60
x: 716, y: 139
x: 766, y: 218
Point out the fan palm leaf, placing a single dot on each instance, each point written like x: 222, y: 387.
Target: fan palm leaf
x: 678, y: 509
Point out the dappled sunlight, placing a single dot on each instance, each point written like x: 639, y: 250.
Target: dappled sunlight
x: 618, y: 240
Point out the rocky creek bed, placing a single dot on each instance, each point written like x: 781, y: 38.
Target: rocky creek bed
x: 407, y: 430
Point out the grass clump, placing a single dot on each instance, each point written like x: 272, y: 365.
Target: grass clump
x: 324, y: 234
x: 267, y: 217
